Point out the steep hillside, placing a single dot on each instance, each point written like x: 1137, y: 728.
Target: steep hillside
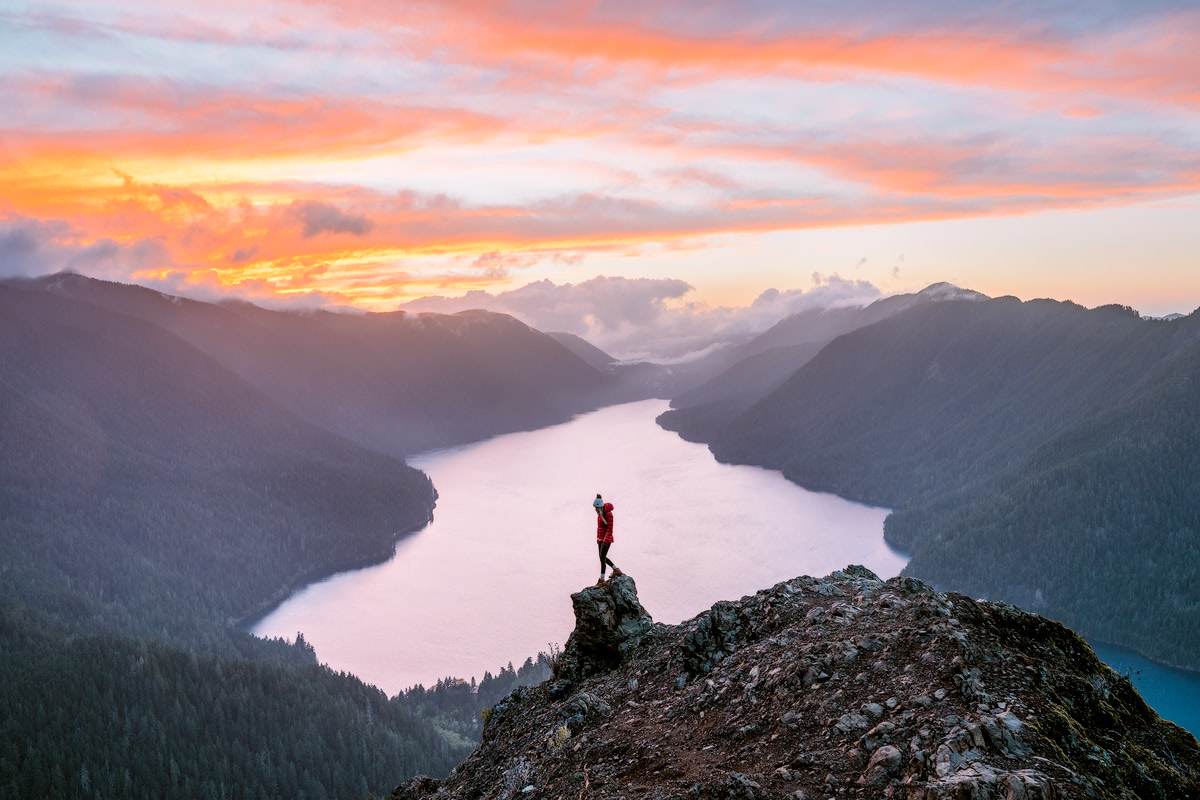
x: 944, y: 394
x: 1028, y: 449
x: 146, y: 490
x: 842, y: 687
x: 395, y: 382
x: 1099, y: 526
x: 591, y: 354
x: 695, y: 414
x: 763, y: 364
x: 148, y: 498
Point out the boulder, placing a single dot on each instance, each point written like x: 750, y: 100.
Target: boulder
x: 609, y: 621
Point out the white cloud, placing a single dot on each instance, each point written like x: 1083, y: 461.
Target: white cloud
x: 649, y: 318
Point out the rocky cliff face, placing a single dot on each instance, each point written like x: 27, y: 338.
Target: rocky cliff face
x: 843, y: 687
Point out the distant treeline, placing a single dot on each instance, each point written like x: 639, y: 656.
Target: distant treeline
x: 458, y: 704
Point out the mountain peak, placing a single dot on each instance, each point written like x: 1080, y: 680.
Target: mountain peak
x: 847, y: 686
x: 948, y: 291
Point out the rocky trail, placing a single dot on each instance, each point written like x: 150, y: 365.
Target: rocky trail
x: 847, y: 686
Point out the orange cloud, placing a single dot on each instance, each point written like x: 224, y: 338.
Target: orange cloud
x: 176, y: 121
x: 1149, y: 59
x: 180, y: 181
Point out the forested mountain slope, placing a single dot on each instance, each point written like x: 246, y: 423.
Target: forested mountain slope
x: 944, y: 394
x: 395, y: 382
x: 763, y: 364
x: 1111, y: 505
x: 107, y: 716
x: 981, y: 424
x: 148, y: 496
x: 144, y: 488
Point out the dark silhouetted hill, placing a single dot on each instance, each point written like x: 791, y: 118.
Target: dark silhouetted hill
x: 761, y: 365
x: 147, y: 490
x: 991, y: 429
x: 395, y: 382
x: 108, y: 716
x: 148, y: 498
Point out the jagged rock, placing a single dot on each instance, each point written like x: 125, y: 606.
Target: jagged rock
x: 609, y: 620
x: 769, y: 697
x: 582, y: 709
x: 715, y: 634
x: 852, y: 722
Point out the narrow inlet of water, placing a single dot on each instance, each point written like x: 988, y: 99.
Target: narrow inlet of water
x: 513, y: 535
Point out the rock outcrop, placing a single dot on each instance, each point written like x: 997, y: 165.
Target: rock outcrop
x: 609, y: 622
x: 843, y: 687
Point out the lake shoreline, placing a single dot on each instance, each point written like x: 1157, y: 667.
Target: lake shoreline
x: 536, y: 534
x: 490, y: 578
x: 315, y: 576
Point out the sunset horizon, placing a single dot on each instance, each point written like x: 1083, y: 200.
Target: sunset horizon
x: 368, y: 155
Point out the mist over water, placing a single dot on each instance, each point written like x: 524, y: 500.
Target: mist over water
x: 513, y: 535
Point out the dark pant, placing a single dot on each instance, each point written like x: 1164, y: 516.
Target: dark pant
x: 604, y: 556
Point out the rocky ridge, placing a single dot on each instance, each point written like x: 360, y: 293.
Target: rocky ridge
x: 847, y: 686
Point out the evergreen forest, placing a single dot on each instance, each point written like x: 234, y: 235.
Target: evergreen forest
x: 152, y: 502
x: 1034, y: 452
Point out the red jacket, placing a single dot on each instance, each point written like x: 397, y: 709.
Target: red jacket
x: 604, y: 524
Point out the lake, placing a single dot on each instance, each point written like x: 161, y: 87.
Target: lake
x: 489, y: 580
x: 513, y: 535
x: 1173, y: 693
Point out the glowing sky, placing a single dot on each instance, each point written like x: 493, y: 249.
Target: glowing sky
x: 369, y: 152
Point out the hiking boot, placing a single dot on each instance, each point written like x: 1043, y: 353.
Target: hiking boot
x: 601, y: 581
x: 617, y: 571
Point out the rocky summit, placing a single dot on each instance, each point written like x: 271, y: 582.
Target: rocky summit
x: 847, y: 686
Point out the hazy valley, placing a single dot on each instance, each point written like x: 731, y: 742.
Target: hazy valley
x: 173, y: 468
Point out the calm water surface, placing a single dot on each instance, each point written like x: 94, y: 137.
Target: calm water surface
x: 513, y: 535
x: 489, y: 581
x: 1173, y: 693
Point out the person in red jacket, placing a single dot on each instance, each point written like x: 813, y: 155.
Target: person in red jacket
x: 604, y: 538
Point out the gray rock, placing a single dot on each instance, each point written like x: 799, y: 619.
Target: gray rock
x: 852, y: 722
x: 582, y: 709
x: 717, y: 632
x: 609, y: 621
x: 882, y: 730
x: 1010, y: 721
x: 884, y: 763
x: 739, y: 787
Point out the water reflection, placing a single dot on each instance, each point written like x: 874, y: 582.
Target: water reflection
x: 514, y: 534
